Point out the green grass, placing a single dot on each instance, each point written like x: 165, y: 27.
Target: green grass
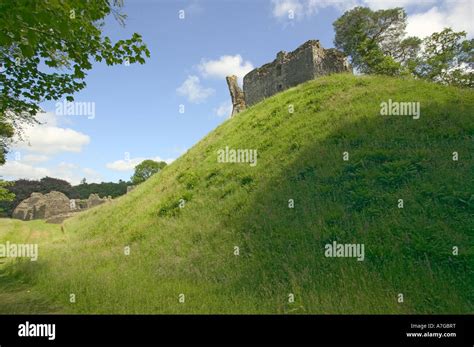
x: 17, y: 295
x: 190, y: 250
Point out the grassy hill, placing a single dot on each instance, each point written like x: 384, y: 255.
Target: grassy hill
x: 190, y: 250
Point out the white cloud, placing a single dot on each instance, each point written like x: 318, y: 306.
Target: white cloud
x: 385, y: 4
x: 74, y: 173
x: 40, y: 142
x: 424, y: 24
x: 313, y: 6
x: 283, y: 9
x: 47, y: 118
x: 461, y: 16
x: 124, y: 165
x: 129, y: 164
x: 424, y: 17
x: 91, y: 175
x: 297, y: 9
x: 456, y: 15
x: 224, y: 109
x: 67, y: 166
x: 19, y: 169
x: 34, y: 158
x: 15, y: 169
x: 52, y: 140
x: 287, y: 8
x: 49, y: 138
x: 89, y: 171
x: 193, y: 90
x: 224, y: 66
x: 429, y: 16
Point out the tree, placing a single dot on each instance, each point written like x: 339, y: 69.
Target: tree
x: 146, y: 169
x: 447, y: 59
x: 103, y: 189
x: 6, y: 133
x: 5, y: 194
x: 21, y: 189
x: 376, y: 41
x: 46, y: 47
x: 49, y: 184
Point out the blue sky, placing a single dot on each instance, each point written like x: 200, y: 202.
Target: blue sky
x: 137, y: 106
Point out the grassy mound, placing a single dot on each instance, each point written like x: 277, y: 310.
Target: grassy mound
x: 183, y: 224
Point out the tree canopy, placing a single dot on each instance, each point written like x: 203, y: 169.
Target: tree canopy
x: 446, y: 58
x: 46, y: 47
x: 377, y: 43
x: 146, y: 169
x: 373, y: 39
x: 5, y: 193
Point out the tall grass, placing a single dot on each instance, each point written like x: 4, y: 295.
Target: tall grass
x: 190, y: 250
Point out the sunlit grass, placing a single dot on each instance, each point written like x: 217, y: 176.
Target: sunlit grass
x: 190, y: 250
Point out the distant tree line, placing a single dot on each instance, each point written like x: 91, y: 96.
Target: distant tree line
x: 23, y: 188
x: 14, y: 192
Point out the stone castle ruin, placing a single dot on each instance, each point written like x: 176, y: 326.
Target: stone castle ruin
x: 236, y: 95
x: 39, y: 206
x: 308, y: 61
x: 54, y: 207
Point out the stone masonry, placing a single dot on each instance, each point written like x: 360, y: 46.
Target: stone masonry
x: 236, y: 95
x: 308, y: 61
x: 39, y: 206
x: 54, y: 207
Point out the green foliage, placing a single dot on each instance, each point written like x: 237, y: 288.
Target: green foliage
x: 376, y: 61
x: 6, y: 132
x: 5, y: 194
x: 443, y: 57
x: 374, y: 39
x: 376, y: 43
x: 173, y: 205
x: 190, y: 249
x: 22, y: 189
x: 146, y: 169
x: 65, y: 36
x: 103, y: 189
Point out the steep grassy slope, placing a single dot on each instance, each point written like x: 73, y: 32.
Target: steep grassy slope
x: 190, y: 250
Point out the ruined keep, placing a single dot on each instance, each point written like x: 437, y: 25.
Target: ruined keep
x: 39, y: 206
x: 236, y: 95
x: 308, y: 61
x: 54, y: 207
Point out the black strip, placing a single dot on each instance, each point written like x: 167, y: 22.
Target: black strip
x: 225, y: 329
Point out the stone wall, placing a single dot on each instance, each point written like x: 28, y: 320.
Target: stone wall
x: 307, y: 62
x: 39, y: 206
x: 54, y: 206
x: 236, y: 95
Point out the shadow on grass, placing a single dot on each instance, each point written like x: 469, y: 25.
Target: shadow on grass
x: 407, y: 250
x: 17, y: 295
